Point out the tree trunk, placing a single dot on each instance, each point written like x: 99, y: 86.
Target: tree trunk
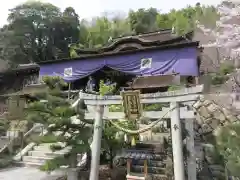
x: 111, y: 158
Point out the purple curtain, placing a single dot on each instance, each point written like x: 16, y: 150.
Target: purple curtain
x: 182, y: 61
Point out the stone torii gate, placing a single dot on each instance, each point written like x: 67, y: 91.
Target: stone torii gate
x: 179, y: 100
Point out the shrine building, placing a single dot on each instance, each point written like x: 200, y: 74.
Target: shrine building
x: 160, y: 54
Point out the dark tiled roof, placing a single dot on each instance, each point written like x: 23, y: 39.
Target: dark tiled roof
x: 140, y: 41
x: 22, y: 68
x: 12, y: 80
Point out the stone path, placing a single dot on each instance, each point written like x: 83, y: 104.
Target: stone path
x: 26, y: 173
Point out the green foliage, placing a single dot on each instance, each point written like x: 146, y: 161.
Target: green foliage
x: 174, y: 88
x: 6, y: 162
x: 226, y: 69
x: 116, y: 108
x: 222, y: 76
x: 143, y: 20
x: 4, y: 125
x: 51, y: 165
x: 38, y: 31
x: 56, y: 114
x: 56, y: 147
x: 152, y: 107
x: 105, y: 89
x: 228, y: 143
x: 218, y: 79
x: 49, y: 138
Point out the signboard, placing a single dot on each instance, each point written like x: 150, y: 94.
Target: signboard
x: 131, y: 104
x: 68, y: 72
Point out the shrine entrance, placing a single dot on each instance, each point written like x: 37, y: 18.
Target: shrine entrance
x: 179, y: 110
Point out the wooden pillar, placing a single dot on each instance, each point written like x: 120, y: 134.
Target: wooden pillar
x: 69, y: 90
x: 96, y: 144
x: 197, y: 80
x: 128, y: 166
x: 177, y: 146
x: 145, y: 168
x: 192, y: 172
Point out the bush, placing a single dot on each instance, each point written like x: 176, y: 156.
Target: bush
x: 5, y: 162
x: 174, y: 88
x: 218, y: 79
x: 153, y: 107
x: 46, y: 139
x: 116, y: 108
x: 56, y: 147
x: 226, y: 69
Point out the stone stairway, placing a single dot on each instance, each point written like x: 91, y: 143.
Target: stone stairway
x: 157, y: 164
x: 40, y: 154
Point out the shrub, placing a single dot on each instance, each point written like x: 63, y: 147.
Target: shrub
x: 218, y: 79
x: 226, y: 69
x: 5, y: 162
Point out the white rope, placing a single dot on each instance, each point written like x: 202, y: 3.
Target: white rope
x: 140, y: 130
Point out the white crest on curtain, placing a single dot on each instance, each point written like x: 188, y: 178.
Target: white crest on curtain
x: 68, y: 72
x: 146, y: 63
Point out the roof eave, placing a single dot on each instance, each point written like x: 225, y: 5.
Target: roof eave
x: 168, y: 46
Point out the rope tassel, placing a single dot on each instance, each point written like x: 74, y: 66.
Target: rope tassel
x: 133, y: 142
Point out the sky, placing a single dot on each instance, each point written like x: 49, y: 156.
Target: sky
x: 91, y: 8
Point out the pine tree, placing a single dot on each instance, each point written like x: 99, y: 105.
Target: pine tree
x: 54, y: 111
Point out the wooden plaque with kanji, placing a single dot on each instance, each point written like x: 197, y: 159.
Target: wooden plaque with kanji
x: 131, y: 104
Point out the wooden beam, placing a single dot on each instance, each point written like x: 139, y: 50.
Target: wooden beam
x: 129, y: 166
x: 187, y: 94
x: 184, y: 114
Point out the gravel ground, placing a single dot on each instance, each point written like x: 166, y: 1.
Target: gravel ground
x: 26, y: 173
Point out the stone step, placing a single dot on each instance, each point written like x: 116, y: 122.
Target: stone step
x: 152, y: 163
x: 47, y: 147
x: 44, y: 153
x: 158, y: 176
x: 28, y: 164
x: 150, y: 176
x: 36, y: 159
x: 42, y: 148
x: 151, y: 170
